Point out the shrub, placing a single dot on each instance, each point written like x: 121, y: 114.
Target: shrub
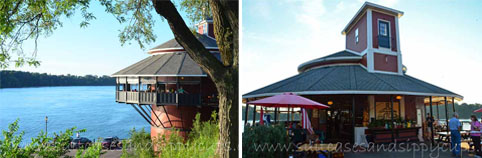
x: 265, y: 141
x: 93, y: 151
x: 41, y: 146
x: 201, y: 142
x: 139, y: 145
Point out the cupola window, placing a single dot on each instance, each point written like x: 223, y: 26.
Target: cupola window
x: 383, y: 34
x: 205, y: 28
x: 356, y: 36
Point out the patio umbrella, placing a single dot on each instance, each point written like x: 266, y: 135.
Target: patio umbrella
x: 478, y: 110
x: 261, y: 120
x: 288, y: 100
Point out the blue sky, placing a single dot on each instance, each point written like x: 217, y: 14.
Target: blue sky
x: 440, y: 40
x: 93, y: 50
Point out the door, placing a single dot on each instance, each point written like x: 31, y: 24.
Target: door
x: 339, y: 123
x: 383, y: 34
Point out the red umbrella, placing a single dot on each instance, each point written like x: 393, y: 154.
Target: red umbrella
x: 288, y: 100
x: 261, y: 121
x: 478, y: 110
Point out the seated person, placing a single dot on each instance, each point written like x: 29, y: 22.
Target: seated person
x: 181, y: 90
x: 298, y: 135
x: 313, y: 137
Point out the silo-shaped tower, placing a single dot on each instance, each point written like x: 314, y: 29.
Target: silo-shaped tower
x: 168, y: 88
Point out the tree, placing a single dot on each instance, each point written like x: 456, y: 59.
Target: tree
x: 27, y: 19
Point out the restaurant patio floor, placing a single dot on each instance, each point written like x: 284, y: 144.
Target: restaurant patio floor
x: 410, y: 154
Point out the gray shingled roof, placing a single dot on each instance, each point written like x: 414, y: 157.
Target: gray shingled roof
x: 341, y: 55
x: 204, y: 39
x: 350, y: 79
x: 168, y: 64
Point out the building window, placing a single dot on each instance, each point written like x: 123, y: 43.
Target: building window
x: 383, y: 29
x: 205, y: 28
x: 356, y: 36
x: 383, y: 34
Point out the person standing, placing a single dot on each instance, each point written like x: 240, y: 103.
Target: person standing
x: 455, y: 126
x: 475, y: 134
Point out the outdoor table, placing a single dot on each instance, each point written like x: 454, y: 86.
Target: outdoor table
x: 326, y: 149
x: 445, y: 136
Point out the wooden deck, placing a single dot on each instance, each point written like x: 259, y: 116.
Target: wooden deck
x: 149, y: 98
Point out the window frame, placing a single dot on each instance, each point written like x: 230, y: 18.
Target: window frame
x: 356, y: 36
x: 205, y: 28
x: 388, y: 32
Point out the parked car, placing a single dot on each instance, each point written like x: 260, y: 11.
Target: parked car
x: 111, y: 142
x: 81, y: 142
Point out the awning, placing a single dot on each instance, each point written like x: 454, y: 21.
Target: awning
x: 166, y: 64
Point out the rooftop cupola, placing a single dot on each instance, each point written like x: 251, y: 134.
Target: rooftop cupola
x: 205, y: 27
x: 374, y: 33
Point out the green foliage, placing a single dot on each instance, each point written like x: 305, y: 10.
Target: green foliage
x: 464, y: 110
x: 41, y: 146
x: 265, y: 141
x: 10, y: 145
x: 137, y: 14
x: 92, y: 152
x: 53, y: 147
x: 196, y: 10
x: 139, y: 145
x: 202, y: 140
x: 14, y: 79
x: 21, y: 20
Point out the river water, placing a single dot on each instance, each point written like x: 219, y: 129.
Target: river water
x: 86, y: 107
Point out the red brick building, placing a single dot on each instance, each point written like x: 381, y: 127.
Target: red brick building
x: 168, y: 88
x: 365, y: 84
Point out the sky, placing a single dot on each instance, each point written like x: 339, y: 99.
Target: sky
x: 93, y: 50
x: 440, y: 40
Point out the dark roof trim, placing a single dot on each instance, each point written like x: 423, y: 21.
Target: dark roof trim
x: 177, y: 49
x: 167, y: 75
x: 206, y: 41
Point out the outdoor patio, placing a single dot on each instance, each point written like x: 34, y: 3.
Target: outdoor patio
x: 403, y: 154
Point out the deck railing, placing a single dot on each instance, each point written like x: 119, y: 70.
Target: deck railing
x: 158, y: 98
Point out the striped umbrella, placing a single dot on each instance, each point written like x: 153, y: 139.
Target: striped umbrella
x: 478, y: 110
x: 305, y: 120
x: 261, y: 121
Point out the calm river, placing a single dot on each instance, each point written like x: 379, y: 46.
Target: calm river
x: 88, y: 107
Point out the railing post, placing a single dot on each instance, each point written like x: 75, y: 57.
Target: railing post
x: 139, y: 90
x: 453, y: 104
x: 431, y: 127
x: 155, y: 91
x: 126, y: 89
